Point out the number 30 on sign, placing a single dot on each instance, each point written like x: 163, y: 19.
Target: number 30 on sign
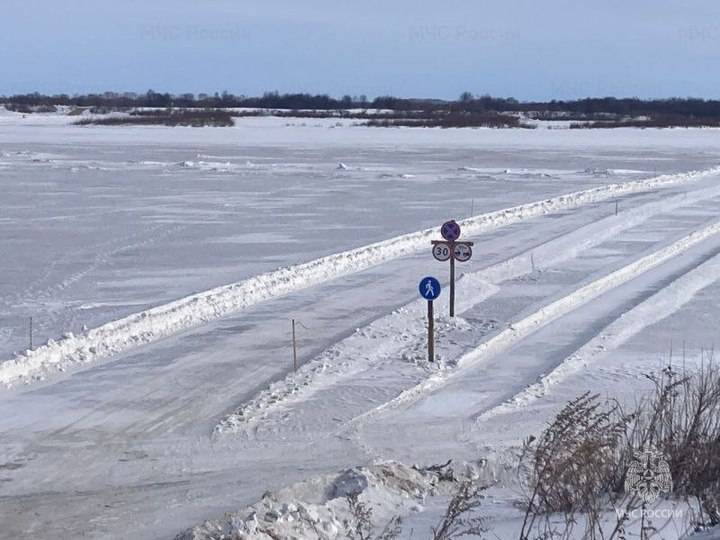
x: 441, y: 252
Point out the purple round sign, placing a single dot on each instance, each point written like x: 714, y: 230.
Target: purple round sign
x: 450, y: 231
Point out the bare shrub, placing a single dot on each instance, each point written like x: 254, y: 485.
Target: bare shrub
x: 30, y: 109
x: 360, y: 526
x: 448, y: 119
x: 655, y: 121
x: 575, y: 471
x: 172, y: 118
x: 461, y: 518
x: 682, y: 421
x: 571, y: 468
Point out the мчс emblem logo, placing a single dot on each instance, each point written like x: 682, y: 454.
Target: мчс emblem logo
x: 648, y: 476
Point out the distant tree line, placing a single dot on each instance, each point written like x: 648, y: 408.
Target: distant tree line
x: 165, y: 100
x: 588, y: 108
x: 468, y: 109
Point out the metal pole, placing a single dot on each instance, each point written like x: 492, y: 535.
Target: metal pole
x: 31, y: 333
x: 294, y: 345
x: 616, y: 208
x: 452, y: 282
x: 431, y: 333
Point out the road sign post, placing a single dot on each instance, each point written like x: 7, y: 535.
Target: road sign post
x: 431, y: 332
x: 452, y: 286
x: 294, y: 346
x: 429, y: 288
x: 450, y: 249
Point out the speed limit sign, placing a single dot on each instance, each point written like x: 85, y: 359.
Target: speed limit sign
x: 441, y: 252
x: 462, y: 252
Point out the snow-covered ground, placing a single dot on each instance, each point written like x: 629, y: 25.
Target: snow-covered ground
x: 177, y: 257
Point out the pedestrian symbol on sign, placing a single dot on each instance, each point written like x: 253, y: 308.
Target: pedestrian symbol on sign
x: 429, y: 288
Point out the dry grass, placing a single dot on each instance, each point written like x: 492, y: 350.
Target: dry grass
x: 682, y: 420
x: 575, y: 471
x: 360, y: 526
x: 570, y: 470
x: 461, y: 517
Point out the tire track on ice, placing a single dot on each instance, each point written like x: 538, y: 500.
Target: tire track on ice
x: 165, y: 320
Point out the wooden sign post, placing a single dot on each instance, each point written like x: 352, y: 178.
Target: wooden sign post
x: 431, y: 332
x: 294, y: 346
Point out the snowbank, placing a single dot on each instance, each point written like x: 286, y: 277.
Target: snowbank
x: 317, y: 509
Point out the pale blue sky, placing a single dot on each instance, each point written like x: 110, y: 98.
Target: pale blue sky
x: 537, y: 49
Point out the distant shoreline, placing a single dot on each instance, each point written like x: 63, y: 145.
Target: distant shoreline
x: 445, y: 119
x: 153, y: 108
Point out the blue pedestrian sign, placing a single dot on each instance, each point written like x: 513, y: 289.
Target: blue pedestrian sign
x: 429, y: 288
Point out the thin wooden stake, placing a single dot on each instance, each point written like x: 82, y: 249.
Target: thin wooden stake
x: 616, y: 207
x: 31, y: 334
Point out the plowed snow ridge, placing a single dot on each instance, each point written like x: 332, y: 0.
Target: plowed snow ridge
x: 162, y: 321
x: 659, y: 306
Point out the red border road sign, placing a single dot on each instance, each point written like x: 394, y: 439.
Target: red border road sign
x: 450, y: 231
x: 462, y: 252
x: 441, y: 252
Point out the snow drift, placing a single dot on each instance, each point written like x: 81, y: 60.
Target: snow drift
x: 317, y: 509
